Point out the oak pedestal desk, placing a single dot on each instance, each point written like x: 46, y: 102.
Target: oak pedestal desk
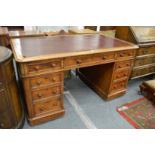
x: 103, y: 63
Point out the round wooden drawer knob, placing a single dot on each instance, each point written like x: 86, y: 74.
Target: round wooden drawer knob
x: 54, y: 79
x: 79, y: 61
x: 55, y: 104
x: 36, y: 67
x: 40, y: 95
x: 38, y: 82
x: 41, y: 110
x: 104, y: 57
x: 121, y: 55
x: 53, y: 65
x: 115, y: 87
x: 54, y: 92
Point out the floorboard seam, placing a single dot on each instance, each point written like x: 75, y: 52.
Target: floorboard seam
x: 81, y: 113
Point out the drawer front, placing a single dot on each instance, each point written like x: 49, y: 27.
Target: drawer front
x: 142, y: 71
x: 145, y: 51
x: 46, y: 92
x: 54, y: 104
x: 48, y: 79
x: 144, y: 61
x: 121, y: 74
x: 45, y: 66
x: 125, y: 54
x: 120, y: 85
x: 123, y: 64
x: 5, y: 122
x: 83, y: 60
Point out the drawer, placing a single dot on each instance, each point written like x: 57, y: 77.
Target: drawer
x: 145, y: 51
x: 125, y: 54
x: 45, y: 66
x: 123, y: 64
x: 142, y: 71
x: 51, y: 105
x: 144, y: 61
x: 48, y: 79
x: 120, y: 85
x: 46, y: 92
x: 84, y: 60
x: 121, y: 74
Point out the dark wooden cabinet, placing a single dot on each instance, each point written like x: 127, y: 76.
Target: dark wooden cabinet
x: 144, y: 37
x: 11, y: 113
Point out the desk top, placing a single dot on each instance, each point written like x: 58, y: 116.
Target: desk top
x: 16, y: 34
x: 47, y: 47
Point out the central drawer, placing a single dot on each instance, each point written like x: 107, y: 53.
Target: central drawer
x: 86, y: 60
x: 50, y: 105
x: 46, y: 92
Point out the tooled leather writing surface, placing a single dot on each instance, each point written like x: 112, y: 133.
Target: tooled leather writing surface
x: 64, y: 44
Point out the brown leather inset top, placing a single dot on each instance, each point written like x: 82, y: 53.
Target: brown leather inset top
x: 64, y: 44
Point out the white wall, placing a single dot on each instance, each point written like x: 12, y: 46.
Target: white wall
x: 50, y: 28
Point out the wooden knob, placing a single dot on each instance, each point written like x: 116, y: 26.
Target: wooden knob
x: 54, y: 92
x: 115, y: 87
x: 38, y: 82
x: 53, y: 79
x: 79, y: 61
x: 129, y: 54
x: 119, y: 66
x: 55, y: 104
x: 125, y: 74
x: 36, y: 67
x: 127, y: 64
x: 121, y: 55
x: 53, y: 64
x: 41, y: 110
x: 40, y: 95
x: 104, y: 57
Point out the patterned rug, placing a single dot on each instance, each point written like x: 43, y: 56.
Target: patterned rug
x: 139, y: 113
